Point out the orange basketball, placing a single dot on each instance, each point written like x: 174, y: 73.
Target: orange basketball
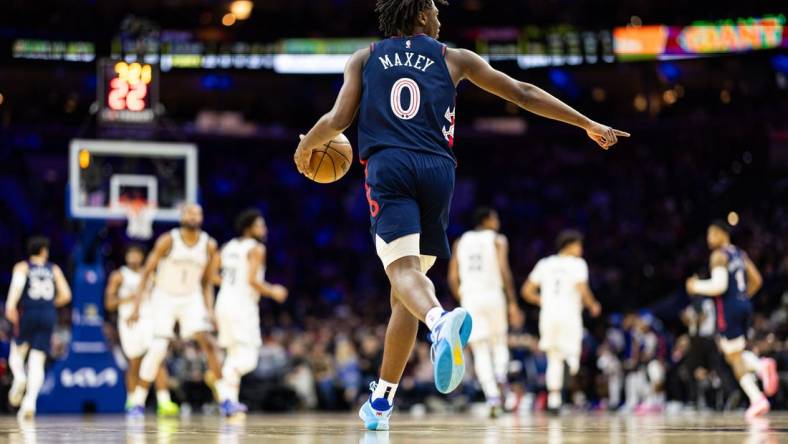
x: 331, y: 161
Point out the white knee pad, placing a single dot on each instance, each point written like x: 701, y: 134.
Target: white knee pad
x: 153, y: 358
x: 729, y: 346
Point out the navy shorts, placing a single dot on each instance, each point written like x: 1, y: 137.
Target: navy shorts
x: 733, y: 316
x: 410, y: 192
x: 35, y: 328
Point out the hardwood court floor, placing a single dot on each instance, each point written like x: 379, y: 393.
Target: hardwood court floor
x: 436, y: 429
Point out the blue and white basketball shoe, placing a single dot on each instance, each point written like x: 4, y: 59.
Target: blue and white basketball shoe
x: 449, y: 338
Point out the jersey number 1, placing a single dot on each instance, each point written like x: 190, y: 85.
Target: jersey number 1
x: 396, y: 98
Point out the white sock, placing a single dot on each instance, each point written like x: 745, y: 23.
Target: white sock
x: 433, y: 316
x: 140, y: 396
x: 750, y: 387
x: 752, y: 362
x: 35, y: 379
x: 554, y: 400
x: 485, y: 374
x: 554, y: 375
x: 163, y: 397
x: 385, y: 389
x: 228, y: 390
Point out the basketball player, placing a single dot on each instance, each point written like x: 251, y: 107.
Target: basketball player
x: 559, y: 285
x: 37, y: 288
x: 182, y: 293
x: 403, y: 89
x: 242, y: 262
x: 136, y: 338
x: 481, y: 280
x: 734, y: 280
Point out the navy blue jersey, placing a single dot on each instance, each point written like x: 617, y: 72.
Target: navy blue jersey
x: 737, y: 275
x: 408, y: 98
x: 39, y: 292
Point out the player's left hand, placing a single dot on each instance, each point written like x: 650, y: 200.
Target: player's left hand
x: 604, y: 135
x: 302, y: 156
x: 12, y: 314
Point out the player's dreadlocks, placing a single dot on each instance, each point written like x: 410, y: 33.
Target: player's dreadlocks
x: 399, y: 16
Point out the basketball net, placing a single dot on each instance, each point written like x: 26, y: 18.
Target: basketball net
x: 139, y: 217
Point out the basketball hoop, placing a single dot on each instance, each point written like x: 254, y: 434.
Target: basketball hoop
x: 139, y: 216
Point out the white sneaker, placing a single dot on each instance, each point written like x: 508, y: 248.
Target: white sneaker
x: 758, y: 408
x: 17, y: 392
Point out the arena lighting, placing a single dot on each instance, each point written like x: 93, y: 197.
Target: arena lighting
x: 241, y: 9
x: 733, y: 218
x: 228, y: 19
x: 84, y: 159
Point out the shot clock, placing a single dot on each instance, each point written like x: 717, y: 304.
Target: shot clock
x: 127, y: 92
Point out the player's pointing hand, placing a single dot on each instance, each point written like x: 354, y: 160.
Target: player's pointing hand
x: 302, y: 155
x: 604, y: 135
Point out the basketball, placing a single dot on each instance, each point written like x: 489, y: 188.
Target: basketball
x: 331, y: 161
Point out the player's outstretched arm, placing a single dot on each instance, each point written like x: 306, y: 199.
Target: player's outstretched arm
x: 754, y: 278
x: 527, y: 96
x: 339, y: 118
x: 717, y: 284
x: 18, y: 279
x: 257, y: 260
x: 63, y: 291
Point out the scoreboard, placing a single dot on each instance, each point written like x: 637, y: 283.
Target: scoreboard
x: 534, y: 47
x: 128, y: 93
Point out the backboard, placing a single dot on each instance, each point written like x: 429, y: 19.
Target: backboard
x: 106, y: 175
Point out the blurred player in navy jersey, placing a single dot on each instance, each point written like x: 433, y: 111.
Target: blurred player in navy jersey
x: 734, y: 280
x: 403, y: 89
x: 38, y: 287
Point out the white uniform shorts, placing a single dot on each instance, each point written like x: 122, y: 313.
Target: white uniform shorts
x: 187, y: 310
x: 488, y: 312
x: 135, y: 339
x: 564, y: 335
x: 238, y: 326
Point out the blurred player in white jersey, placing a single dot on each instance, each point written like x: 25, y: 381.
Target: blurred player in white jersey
x: 37, y: 288
x: 136, y: 338
x: 182, y: 293
x: 480, y: 278
x: 242, y: 261
x: 559, y: 285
